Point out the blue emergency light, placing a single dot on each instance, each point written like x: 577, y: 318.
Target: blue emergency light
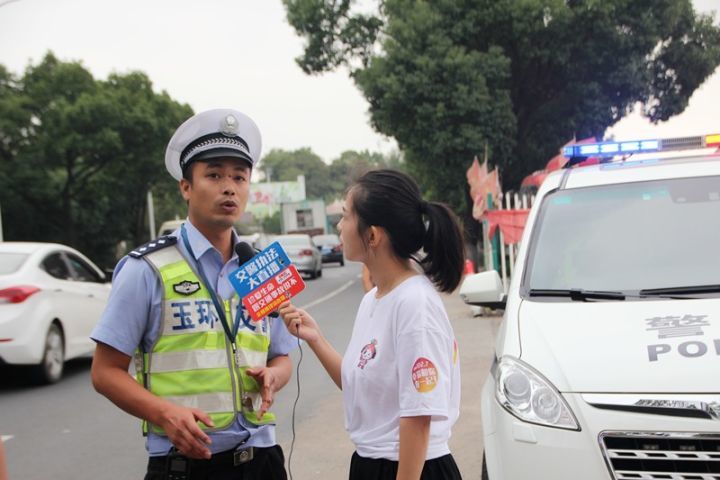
x: 611, y: 149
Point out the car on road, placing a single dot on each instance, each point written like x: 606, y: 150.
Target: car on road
x: 330, y: 248
x: 51, y: 296
x: 170, y: 226
x: 607, y: 362
x: 302, y: 252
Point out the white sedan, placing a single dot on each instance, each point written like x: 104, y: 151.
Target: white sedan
x: 51, y: 296
x: 302, y: 252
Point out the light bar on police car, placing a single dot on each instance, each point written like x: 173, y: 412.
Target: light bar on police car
x: 611, y: 149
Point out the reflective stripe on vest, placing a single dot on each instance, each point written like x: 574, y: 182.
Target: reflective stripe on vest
x: 191, y: 363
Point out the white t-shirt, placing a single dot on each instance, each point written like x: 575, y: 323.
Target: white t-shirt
x: 402, y: 361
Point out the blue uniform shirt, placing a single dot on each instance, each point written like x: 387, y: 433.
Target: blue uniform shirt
x: 132, y: 318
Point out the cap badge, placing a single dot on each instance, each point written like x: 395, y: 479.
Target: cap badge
x: 229, y: 125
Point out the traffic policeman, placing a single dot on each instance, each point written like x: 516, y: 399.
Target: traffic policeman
x: 205, y: 373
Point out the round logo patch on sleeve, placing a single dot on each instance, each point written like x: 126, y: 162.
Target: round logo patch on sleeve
x: 424, y: 375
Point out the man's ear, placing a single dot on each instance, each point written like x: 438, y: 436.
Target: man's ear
x: 185, y: 188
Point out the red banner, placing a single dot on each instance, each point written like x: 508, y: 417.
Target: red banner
x: 481, y: 184
x: 511, y: 223
x: 268, y: 296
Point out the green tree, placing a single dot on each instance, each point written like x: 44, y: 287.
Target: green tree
x: 351, y: 164
x: 447, y: 77
x: 328, y: 182
x: 283, y: 166
x: 272, y: 224
x: 78, y: 155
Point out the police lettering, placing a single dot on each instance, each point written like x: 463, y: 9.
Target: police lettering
x: 690, y: 349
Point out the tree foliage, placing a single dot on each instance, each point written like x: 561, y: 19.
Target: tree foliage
x: 351, y: 164
x: 283, y: 166
x: 447, y: 77
x: 328, y: 182
x: 78, y: 155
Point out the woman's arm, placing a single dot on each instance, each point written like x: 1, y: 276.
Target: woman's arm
x: 302, y: 325
x: 414, y: 439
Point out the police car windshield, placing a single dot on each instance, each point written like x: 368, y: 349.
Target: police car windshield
x: 628, y: 237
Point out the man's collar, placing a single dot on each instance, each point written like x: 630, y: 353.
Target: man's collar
x: 200, y: 245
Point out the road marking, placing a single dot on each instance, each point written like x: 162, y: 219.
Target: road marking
x: 5, y: 438
x: 329, y: 295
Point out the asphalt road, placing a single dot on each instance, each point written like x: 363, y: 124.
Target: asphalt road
x: 68, y: 431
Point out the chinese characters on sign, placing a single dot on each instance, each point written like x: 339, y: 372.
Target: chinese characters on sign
x: 259, y: 269
x: 266, y: 281
x: 272, y: 293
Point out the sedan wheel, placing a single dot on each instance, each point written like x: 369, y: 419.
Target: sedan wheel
x: 50, y: 370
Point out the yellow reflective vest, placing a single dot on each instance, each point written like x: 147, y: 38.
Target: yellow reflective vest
x: 191, y: 363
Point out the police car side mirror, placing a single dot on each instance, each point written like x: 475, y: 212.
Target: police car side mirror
x: 484, y: 289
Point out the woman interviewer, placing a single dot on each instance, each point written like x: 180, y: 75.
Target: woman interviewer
x: 400, y: 374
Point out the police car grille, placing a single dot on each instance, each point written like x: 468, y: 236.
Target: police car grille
x: 655, y: 456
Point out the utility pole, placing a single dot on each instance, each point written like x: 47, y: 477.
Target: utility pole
x: 151, y: 215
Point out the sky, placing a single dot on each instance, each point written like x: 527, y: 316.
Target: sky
x: 240, y: 53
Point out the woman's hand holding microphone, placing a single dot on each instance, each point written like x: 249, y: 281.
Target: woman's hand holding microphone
x: 299, y: 322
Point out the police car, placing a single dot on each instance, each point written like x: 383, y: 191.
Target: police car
x: 608, y: 357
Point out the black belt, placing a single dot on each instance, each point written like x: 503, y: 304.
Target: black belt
x: 228, y: 458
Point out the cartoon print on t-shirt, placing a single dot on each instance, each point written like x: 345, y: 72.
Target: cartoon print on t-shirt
x: 367, y: 353
x: 424, y: 375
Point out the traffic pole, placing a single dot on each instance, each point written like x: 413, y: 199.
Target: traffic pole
x: 151, y: 215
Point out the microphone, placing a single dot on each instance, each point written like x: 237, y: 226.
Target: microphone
x: 245, y: 253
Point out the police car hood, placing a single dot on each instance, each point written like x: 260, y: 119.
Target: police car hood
x: 624, y: 347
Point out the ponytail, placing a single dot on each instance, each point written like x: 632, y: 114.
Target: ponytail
x: 392, y: 200
x: 443, y: 245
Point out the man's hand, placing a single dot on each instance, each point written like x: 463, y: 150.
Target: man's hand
x: 180, y: 424
x: 110, y: 377
x: 265, y: 376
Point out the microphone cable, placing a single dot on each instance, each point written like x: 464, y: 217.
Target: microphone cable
x: 297, y: 397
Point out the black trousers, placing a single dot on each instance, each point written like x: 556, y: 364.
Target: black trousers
x: 441, y: 468
x: 267, y: 464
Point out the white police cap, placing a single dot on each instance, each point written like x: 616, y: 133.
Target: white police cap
x: 222, y: 132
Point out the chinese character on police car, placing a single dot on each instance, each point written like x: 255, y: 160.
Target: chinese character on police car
x: 677, y: 326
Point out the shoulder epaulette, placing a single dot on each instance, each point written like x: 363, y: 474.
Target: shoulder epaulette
x: 153, y: 246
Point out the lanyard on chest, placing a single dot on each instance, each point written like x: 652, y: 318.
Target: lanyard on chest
x: 230, y: 330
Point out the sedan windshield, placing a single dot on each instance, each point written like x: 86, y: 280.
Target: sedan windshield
x: 627, y: 238
x: 11, y: 262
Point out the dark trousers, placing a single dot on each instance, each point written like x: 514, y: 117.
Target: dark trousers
x: 441, y: 468
x: 267, y: 464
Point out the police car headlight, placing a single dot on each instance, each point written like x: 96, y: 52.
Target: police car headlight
x: 530, y: 397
